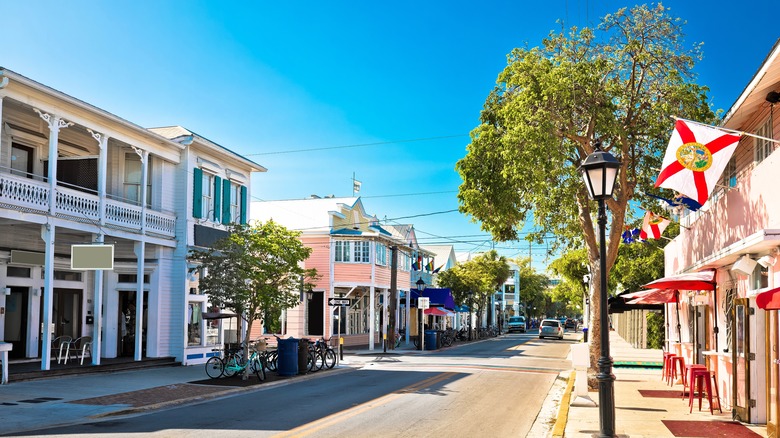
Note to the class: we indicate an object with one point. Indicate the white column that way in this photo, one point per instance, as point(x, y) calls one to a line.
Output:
point(144, 183)
point(47, 234)
point(371, 316)
point(385, 314)
point(408, 314)
point(102, 140)
point(55, 124)
point(140, 250)
point(97, 300)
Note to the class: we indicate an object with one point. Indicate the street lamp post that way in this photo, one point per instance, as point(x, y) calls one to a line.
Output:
point(471, 310)
point(420, 288)
point(599, 171)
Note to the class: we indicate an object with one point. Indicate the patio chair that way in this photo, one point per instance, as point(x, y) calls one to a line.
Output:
point(79, 347)
point(61, 344)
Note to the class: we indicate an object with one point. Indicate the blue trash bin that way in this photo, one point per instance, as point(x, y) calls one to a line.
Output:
point(585, 334)
point(431, 339)
point(287, 357)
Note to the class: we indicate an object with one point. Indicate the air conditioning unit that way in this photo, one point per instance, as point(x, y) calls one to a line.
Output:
point(745, 265)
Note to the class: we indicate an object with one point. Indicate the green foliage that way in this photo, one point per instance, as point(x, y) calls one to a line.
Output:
point(256, 271)
point(533, 288)
point(474, 281)
point(619, 83)
point(655, 330)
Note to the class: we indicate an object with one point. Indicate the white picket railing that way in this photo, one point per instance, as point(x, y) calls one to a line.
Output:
point(33, 196)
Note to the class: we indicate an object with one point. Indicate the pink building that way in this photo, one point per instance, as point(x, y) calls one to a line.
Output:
point(352, 253)
point(735, 329)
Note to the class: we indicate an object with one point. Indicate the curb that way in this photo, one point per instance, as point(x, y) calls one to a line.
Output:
point(563, 412)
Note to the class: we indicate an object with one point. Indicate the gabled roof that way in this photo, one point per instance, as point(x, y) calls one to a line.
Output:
point(753, 97)
point(312, 216)
point(184, 136)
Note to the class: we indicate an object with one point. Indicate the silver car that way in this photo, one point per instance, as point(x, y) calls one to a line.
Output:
point(551, 328)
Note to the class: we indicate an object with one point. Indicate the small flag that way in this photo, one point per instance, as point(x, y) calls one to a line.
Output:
point(356, 185)
point(436, 271)
point(695, 159)
point(629, 235)
point(429, 266)
point(679, 201)
point(415, 266)
point(653, 226)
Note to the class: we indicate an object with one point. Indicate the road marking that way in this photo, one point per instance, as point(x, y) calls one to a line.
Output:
point(322, 423)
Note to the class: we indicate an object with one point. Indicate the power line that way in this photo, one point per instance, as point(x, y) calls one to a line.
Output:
point(379, 143)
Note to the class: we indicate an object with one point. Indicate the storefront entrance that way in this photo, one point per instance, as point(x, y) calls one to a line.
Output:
point(741, 360)
point(127, 320)
point(16, 321)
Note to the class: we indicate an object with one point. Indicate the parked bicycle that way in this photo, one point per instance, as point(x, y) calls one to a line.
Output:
point(233, 363)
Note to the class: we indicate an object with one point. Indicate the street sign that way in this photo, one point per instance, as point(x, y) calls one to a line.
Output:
point(423, 302)
point(338, 301)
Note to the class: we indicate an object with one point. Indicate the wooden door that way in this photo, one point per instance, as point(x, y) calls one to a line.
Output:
point(773, 371)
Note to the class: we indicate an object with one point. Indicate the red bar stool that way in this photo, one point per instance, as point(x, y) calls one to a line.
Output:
point(677, 362)
point(665, 368)
point(704, 378)
point(688, 377)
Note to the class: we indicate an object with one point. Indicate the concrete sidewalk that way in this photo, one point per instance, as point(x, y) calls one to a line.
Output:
point(643, 402)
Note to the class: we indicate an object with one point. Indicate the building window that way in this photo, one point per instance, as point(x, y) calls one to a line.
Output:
point(381, 254)
point(194, 324)
point(729, 178)
point(760, 278)
point(207, 194)
point(763, 147)
point(343, 251)
point(67, 275)
point(131, 278)
point(235, 203)
point(18, 272)
point(362, 252)
point(134, 177)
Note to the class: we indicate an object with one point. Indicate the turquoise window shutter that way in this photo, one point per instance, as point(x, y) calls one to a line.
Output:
point(217, 197)
point(197, 193)
point(226, 205)
point(243, 204)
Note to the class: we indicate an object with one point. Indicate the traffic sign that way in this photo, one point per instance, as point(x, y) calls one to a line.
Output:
point(423, 302)
point(339, 301)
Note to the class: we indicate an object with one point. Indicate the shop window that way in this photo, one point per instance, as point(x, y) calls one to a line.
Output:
point(131, 278)
point(763, 146)
point(18, 272)
point(194, 324)
point(67, 275)
point(760, 278)
point(381, 254)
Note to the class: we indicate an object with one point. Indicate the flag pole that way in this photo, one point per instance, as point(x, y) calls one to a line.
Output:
point(734, 131)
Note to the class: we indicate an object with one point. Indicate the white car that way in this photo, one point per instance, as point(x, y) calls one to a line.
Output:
point(551, 328)
point(516, 324)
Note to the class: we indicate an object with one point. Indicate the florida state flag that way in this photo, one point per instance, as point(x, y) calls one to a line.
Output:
point(653, 226)
point(695, 159)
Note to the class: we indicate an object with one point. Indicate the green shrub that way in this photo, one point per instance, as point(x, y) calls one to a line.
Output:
point(655, 330)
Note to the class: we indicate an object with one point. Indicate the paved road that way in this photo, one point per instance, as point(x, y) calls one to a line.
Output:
point(492, 388)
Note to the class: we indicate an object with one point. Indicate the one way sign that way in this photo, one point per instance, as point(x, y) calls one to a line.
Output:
point(338, 301)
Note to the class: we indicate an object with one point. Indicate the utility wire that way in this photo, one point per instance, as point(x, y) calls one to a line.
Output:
point(379, 143)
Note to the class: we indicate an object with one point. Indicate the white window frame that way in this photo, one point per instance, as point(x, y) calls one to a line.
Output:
point(763, 148)
point(235, 202)
point(362, 251)
point(135, 186)
point(207, 196)
point(343, 251)
point(381, 254)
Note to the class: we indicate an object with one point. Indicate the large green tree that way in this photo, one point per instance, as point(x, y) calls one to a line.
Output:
point(620, 84)
point(256, 271)
point(533, 288)
point(475, 281)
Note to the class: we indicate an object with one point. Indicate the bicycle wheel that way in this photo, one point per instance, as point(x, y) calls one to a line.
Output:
point(270, 360)
point(215, 367)
point(330, 358)
point(257, 367)
point(447, 341)
point(232, 365)
point(310, 363)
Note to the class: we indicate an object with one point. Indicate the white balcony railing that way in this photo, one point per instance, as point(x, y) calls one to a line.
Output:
point(28, 195)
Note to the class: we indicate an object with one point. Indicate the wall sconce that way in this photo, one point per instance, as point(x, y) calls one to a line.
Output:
point(309, 294)
point(8, 291)
point(767, 261)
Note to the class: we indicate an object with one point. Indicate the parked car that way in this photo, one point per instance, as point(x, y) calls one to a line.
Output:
point(516, 324)
point(570, 323)
point(551, 328)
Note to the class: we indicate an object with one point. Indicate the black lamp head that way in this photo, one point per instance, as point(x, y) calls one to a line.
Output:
point(773, 97)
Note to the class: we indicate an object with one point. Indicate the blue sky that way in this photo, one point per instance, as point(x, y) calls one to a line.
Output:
point(317, 91)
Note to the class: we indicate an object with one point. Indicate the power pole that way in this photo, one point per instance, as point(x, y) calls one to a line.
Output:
point(391, 308)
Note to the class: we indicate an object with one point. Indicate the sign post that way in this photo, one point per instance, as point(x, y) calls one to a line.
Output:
point(423, 303)
point(340, 302)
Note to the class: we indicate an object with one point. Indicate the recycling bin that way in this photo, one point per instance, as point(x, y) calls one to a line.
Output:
point(431, 339)
point(287, 357)
point(585, 334)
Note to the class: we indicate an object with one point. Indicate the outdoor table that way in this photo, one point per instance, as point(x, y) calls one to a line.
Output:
point(5, 347)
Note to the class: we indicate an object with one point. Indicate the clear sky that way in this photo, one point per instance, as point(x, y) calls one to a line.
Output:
point(319, 91)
